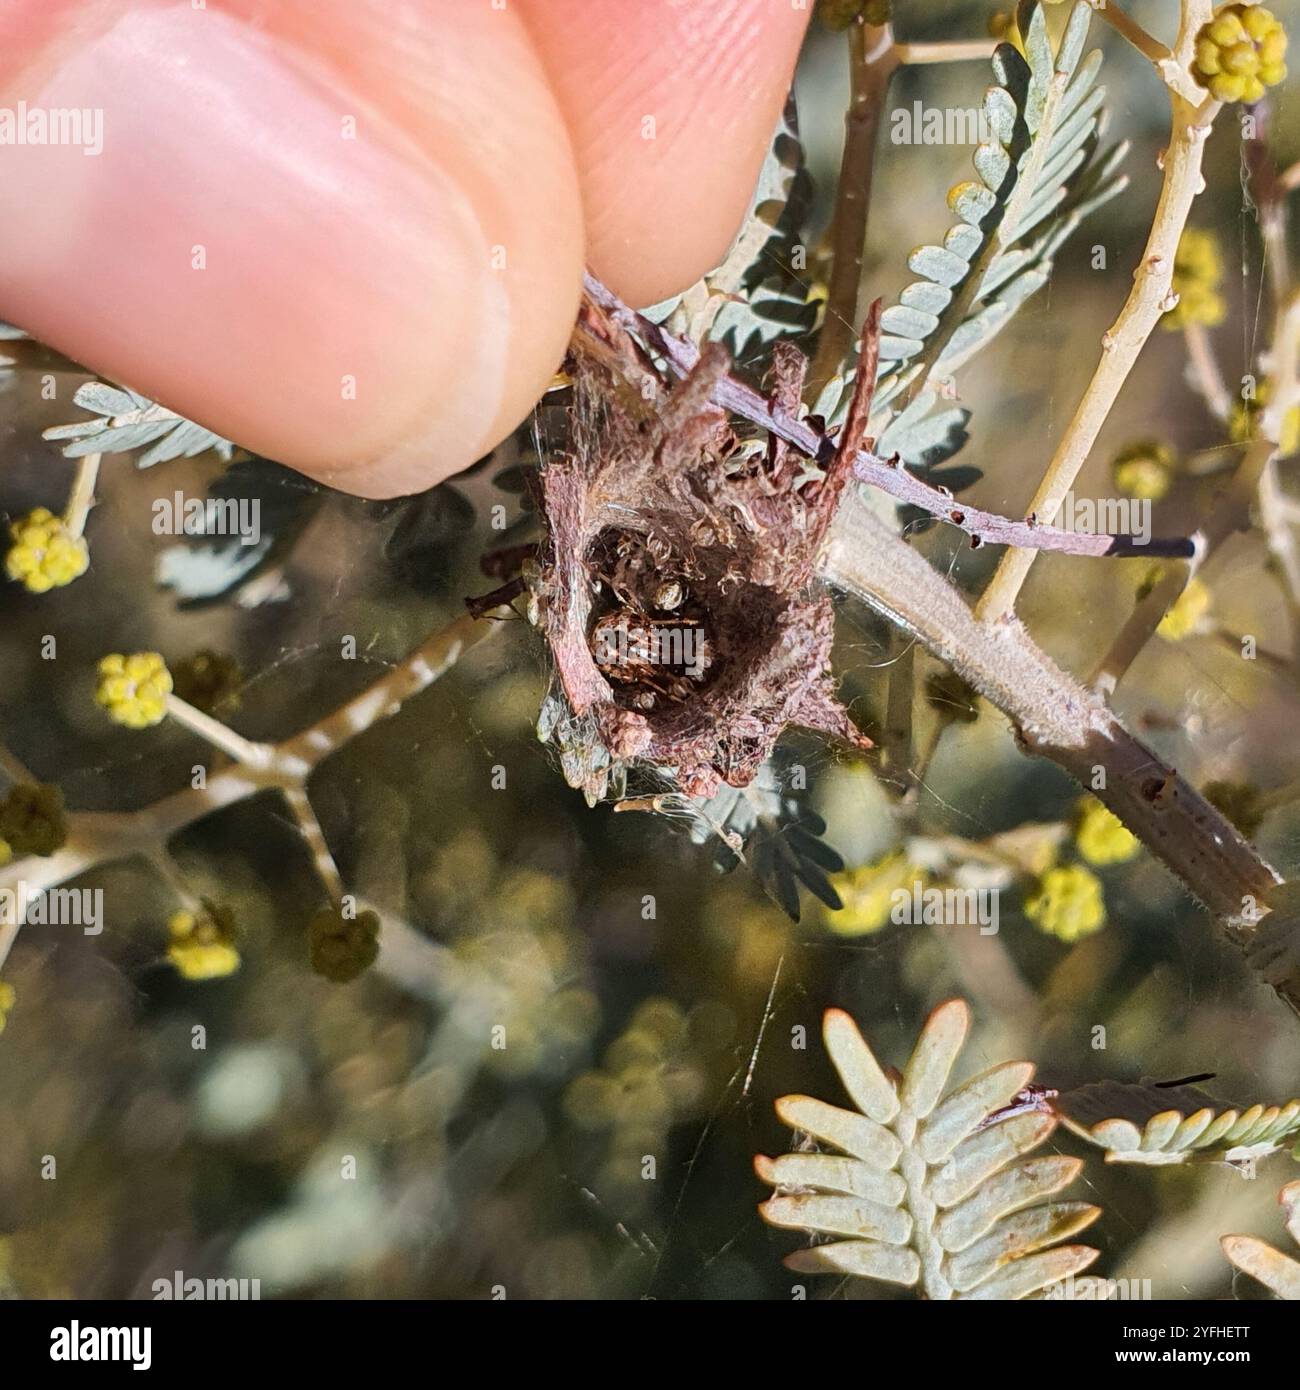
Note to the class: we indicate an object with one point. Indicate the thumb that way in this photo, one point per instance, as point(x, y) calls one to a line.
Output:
point(345, 233)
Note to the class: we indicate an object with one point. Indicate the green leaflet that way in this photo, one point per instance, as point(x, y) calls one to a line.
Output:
point(781, 840)
point(129, 421)
point(928, 1188)
point(1037, 178)
point(1261, 1261)
point(1158, 1125)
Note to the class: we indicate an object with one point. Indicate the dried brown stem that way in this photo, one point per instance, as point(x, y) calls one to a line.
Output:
point(887, 474)
point(873, 60)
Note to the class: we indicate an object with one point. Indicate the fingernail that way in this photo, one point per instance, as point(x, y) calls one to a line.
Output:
point(252, 249)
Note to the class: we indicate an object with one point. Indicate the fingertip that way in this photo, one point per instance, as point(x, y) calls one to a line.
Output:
point(297, 238)
point(670, 105)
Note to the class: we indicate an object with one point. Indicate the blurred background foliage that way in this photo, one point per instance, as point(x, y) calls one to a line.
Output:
point(633, 1032)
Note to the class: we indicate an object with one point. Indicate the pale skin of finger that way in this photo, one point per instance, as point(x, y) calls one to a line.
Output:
point(349, 245)
point(345, 233)
point(670, 105)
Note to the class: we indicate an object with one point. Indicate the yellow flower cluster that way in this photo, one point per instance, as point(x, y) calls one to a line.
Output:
point(32, 819)
point(202, 943)
point(341, 947)
point(1101, 836)
point(1240, 52)
point(7, 997)
point(1144, 469)
point(134, 689)
point(45, 555)
point(1198, 273)
point(867, 894)
point(1188, 610)
point(1067, 902)
point(1244, 419)
point(1185, 616)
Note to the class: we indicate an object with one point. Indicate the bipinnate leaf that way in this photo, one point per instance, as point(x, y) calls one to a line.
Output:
point(1038, 175)
point(928, 1186)
point(1148, 1123)
point(127, 421)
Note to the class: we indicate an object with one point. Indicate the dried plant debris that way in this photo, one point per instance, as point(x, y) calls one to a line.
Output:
point(676, 584)
point(928, 1187)
point(1261, 1261)
point(1154, 1123)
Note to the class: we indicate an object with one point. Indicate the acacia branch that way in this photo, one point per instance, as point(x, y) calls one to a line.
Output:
point(1057, 718)
point(1150, 298)
point(97, 838)
point(889, 475)
point(873, 60)
point(1053, 714)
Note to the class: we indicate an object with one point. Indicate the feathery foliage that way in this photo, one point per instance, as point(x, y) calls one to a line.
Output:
point(1038, 177)
point(128, 421)
point(929, 1188)
point(1154, 1124)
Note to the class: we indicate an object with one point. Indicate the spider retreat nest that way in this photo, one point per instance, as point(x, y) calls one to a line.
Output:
point(676, 586)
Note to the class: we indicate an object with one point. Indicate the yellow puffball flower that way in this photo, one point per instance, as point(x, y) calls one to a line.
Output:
point(1185, 616)
point(1101, 836)
point(1244, 421)
point(1144, 469)
point(202, 942)
point(1067, 903)
point(341, 947)
point(134, 689)
point(1240, 52)
point(45, 555)
point(868, 894)
point(7, 997)
point(1198, 273)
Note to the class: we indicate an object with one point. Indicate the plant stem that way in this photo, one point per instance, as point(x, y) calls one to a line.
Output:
point(1056, 718)
point(13, 767)
point(1205, 371)
point(99, 838)
point(1150, 297)
point(310, 828)
point(258, 756)
point(873, 60)
point(952, 51)
point(1136, 35)
point(82, 496)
